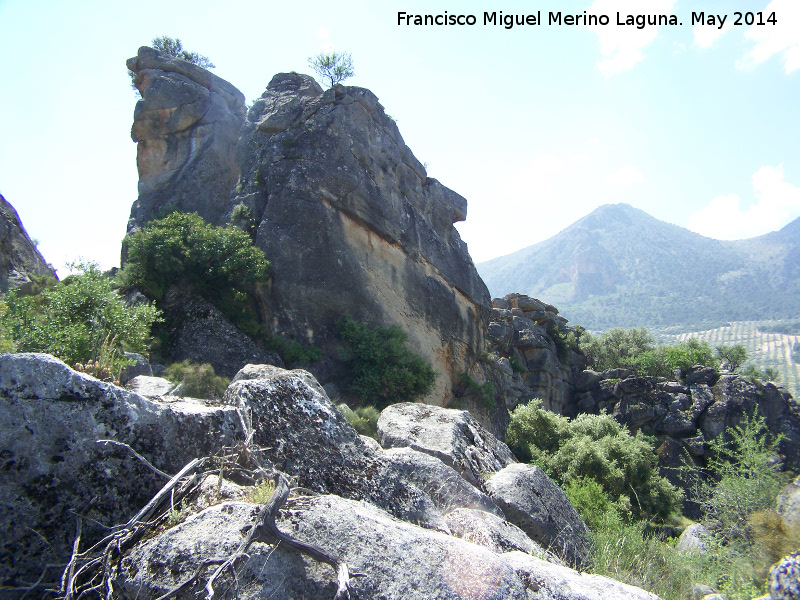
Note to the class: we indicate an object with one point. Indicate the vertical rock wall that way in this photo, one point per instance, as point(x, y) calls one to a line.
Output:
point(353, 225)
point(186, 126)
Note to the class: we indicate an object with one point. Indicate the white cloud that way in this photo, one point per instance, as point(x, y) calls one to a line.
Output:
point(624, 177)
point(622, 45)
point(706, 35)
point(777, 203)
point(781, 38)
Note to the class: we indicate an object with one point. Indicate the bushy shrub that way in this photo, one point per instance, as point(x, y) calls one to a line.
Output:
point(380, 369)
point(182, 248)
point(292, 352)
point(199, 381)
point(74, 318)
point(482, 391)
point(636, 349)
point(745, 477)
point(364, 419)
point(593, 447)
point(732, 357)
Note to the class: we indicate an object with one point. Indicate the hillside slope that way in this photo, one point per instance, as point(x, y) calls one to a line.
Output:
point(618, 266)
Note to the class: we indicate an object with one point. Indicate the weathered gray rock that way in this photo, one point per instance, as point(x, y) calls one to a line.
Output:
point(494, 533)
point(150, 386)
point(549, 581)
point(440, 482)
point(535, 504)
point(141, 366)
point(453, 436)
point(19, 257)
point(694, 538)
point(788, 503)
point(50, 420)
point(353, 225)
point(305, 436)
point(400, 561)
point(198, 331)
point(186, 127)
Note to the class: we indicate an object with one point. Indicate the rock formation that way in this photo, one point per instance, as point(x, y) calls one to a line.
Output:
point(353, 225)
point(528, 342)
point(402, 518)
point(186, 126)
point(344, 211)
point(19, 257)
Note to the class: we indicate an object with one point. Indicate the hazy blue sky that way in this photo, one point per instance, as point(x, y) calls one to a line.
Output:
point(535, 125)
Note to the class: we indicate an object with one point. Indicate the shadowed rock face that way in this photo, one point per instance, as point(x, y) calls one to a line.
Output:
point(19, 258)
point(186, 126)
point(353, 225)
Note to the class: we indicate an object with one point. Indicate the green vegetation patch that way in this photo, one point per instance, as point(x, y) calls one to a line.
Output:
point(379, 368)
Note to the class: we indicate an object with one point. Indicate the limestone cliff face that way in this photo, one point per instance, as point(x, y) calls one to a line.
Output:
point(353, 225)
point(19, 257)
point(186, 126)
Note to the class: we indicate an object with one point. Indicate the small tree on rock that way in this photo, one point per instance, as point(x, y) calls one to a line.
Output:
point(332, 67)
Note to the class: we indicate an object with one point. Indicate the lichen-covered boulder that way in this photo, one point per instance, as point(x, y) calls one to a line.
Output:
point(453, 436)
point(51, 419)
point(534, 503)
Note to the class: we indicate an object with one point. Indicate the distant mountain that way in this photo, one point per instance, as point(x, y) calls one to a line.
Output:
point(620, 267)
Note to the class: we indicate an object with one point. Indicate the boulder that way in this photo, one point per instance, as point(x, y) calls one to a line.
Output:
point(453, 436)
point(440, 483)
point(141, 366)
point(788, 503)
point(152, 387)
point(19, 257)
point(535, 504)
point(51, 419)
point(586, 380)
point(399, 560)
point(186, 127)
point(494, 533)
point(353, 226)
point(549, 581)
point(694, 538)
point(197, 330)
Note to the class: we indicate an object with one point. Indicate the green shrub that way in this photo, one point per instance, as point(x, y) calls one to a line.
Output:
point(594, 447)
point(199, 381)
point(182, 248)
point(615, 348)
point(482, 391)
point(753, 373)
point(635, 349)
point(745, 477)
point(379, 368)
point(219, 263)
point(292, 352)
point(733, 357)
point(242, 217)
point(74, 318)
point(364, 419)
point(685, 355)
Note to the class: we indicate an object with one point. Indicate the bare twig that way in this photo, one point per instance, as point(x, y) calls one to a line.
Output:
point(144, 461)
point(151, 506)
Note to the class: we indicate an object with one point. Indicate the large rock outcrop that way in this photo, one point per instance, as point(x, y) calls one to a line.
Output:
point(399, 561)
point(395, 515)
point(19, 257)
point(186, 126)
point(341, 207)
point(353, 225)
point(51, 418)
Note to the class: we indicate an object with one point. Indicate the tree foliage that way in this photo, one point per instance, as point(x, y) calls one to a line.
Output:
point(182, 248)
point(593, 447)
point(380, 369)
point(173, 47)
point(74, 318)
point(636, 349)
point(332, 67)
point(732, 357)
